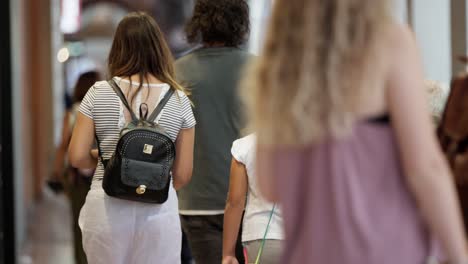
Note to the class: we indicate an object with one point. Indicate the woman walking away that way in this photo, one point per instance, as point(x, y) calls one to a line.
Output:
point(262, 225)
point(120, 231)
point(345, 141)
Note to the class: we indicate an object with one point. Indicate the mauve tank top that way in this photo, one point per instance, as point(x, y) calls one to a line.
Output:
point(346, 202)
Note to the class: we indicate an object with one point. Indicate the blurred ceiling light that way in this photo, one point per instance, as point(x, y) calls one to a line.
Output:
point(70, 17)
point(63, 55)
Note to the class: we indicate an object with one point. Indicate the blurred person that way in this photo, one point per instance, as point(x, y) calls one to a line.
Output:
point(345, 141)
point(77, 181)
point(212, 73)
point(262, 222)
point(122, 231)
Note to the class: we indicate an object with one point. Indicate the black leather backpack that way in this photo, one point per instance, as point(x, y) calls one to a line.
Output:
point(140, 168)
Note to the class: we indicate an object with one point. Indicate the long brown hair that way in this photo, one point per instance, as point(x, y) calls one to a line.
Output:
point(139, 48)
point(314, 71)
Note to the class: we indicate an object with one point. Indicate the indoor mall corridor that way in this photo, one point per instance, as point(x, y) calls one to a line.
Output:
point(50, 45)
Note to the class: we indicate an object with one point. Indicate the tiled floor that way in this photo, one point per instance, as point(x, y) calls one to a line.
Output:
point(50, 237)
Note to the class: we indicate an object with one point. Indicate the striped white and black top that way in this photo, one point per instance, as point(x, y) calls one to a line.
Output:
point(105, 108)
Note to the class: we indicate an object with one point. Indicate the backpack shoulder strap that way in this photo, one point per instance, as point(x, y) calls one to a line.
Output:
point(161, 105)
point(99, 150)
point(120, 94)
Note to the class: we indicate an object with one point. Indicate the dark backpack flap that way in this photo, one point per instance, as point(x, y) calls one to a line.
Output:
point(135, 142)
point(136, 173)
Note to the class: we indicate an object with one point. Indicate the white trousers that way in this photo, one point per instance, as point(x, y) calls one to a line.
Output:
point(117, 231)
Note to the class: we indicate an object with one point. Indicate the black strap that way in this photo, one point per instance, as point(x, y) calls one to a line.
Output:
point(99, 149)
point(156, 111)
point(119, 93)
point(161, 105)
point(152, 117)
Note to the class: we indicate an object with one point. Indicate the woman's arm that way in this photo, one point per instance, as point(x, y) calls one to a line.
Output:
point(95, 153)
point(426, 170)
point(81, 143)
point(235, 204)
point(61, 150)
point(183, 164)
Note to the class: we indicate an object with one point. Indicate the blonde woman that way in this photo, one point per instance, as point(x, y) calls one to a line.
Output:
point(345, 142)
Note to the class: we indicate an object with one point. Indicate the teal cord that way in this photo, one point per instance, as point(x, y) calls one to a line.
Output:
point(260, 251)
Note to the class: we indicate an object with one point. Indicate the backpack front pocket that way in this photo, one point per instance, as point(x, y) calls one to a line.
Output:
point(135, 173)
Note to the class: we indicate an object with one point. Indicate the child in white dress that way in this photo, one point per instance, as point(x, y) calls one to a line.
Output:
point(258, 215)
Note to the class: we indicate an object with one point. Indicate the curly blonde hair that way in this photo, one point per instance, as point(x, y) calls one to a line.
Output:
point(311, 76)
point(438, 94)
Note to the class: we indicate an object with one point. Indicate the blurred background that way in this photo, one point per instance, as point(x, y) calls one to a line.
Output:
point(47, 44)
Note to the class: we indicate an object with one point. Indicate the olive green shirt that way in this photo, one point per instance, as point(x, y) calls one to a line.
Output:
point(212, 75)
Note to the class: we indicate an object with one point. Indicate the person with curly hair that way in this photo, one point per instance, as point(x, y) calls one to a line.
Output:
point(212, 73)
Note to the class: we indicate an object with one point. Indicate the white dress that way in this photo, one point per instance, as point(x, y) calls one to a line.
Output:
point(117, 231)
point(124, 232)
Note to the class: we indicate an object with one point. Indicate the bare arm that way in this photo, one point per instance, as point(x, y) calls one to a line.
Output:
point(81, 143)
point(426, 170)
point(234, 207)
point(61, 150)
point(95, 153)
point(183, 164)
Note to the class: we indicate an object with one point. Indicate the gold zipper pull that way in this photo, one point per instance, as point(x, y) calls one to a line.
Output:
point(141, 189)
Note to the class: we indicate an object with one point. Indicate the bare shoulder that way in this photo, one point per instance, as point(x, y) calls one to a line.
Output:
point(399, 31)
point(400, 40)
point(101, 84)
point(182, 95)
